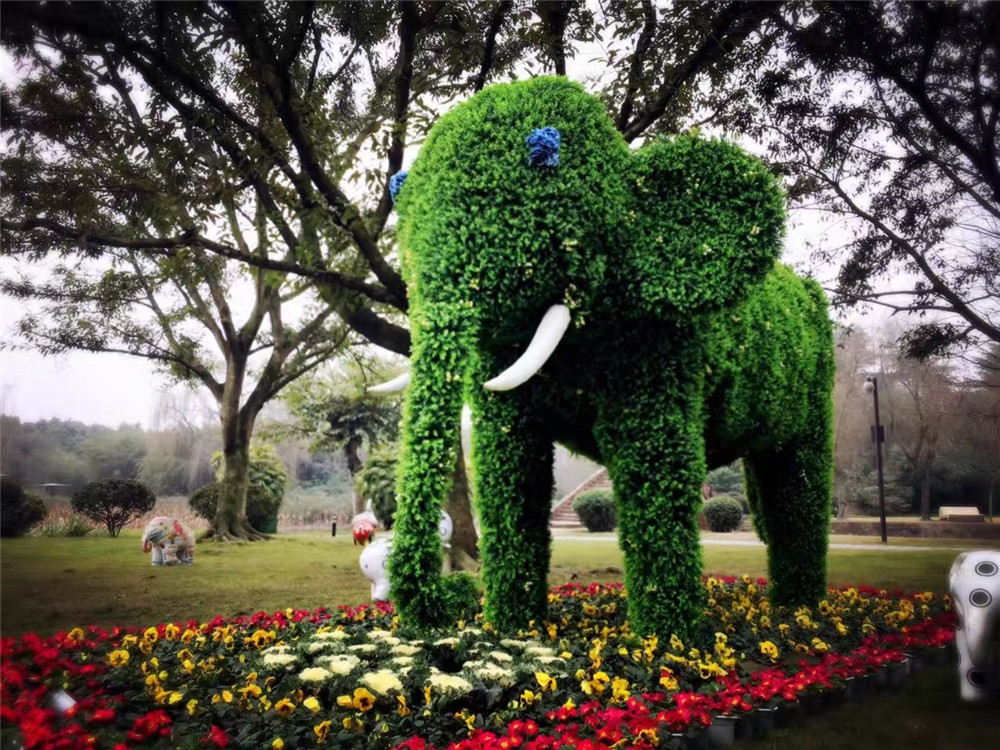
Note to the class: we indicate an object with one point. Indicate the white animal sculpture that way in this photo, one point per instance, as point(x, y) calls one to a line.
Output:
point(374, 558)
point(975, 591)
point(170, 541)
point(373, 564)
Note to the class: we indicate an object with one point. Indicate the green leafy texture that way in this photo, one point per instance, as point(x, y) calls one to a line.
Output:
point(261, 505)
point(114, 502)
point(377, 483)
point(19, 510)
point(596, 510)
point(723, 513)
point(267, 473)
point(689, 347)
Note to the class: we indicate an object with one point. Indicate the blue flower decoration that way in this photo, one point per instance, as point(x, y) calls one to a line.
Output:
point(544, 145)
point(396, 184)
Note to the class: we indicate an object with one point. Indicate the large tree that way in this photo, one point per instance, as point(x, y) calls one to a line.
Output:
point(885, 114)
point(180, 137)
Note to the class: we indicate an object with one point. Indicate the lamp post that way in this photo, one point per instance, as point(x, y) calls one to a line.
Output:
point(878, 437)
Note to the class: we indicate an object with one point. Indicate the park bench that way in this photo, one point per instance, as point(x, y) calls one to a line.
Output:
point(960, 514)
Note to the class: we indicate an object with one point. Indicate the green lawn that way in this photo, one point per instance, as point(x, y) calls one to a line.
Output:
point(50, 584)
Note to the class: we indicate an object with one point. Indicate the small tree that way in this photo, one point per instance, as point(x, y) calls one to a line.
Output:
point(597, 510)
point(19, 510)
point(114, 502)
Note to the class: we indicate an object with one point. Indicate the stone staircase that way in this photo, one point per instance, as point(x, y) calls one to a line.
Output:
point(563, 517)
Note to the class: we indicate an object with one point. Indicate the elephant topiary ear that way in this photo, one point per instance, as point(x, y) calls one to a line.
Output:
point(543, 145)
point(707, 224)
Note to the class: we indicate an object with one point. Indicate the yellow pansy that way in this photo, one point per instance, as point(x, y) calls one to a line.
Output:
point(312, 704)
point(284, 707)
point(322, 730)
point(363, 700)
point(548, 684)
point(278, 744)
point(118, 658)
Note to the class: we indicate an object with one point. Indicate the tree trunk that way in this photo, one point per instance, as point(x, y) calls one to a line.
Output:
point(464, 539)
point(230, 523)
point(353, 467)
point(925, 495)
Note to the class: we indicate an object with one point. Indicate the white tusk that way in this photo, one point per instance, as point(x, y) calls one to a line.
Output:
point(466, 420)
point(396, 385)
point(543, 344)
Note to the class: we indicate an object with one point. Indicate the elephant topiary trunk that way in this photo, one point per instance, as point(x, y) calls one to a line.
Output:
point(672, 341)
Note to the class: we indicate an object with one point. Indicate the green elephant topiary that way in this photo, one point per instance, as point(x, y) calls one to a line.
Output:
point(671, 341)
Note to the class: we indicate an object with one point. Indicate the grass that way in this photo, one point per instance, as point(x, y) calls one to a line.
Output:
point(50, 584)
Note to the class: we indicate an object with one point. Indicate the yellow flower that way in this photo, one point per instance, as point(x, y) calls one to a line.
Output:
point(363, 700)
point(171, 631)
point(529, 698)
point(187, 636)
point(76, 634)
point(250, 691)
point(619, 690)
point(284, 707)
point(322, 730)
point(175, 697)
point(676, 643)
point(769, 650)
point(402, 709)
point(150, 635)
point(345, 701)
point(819, 646)
point(192, 706)
point(278, 744)
point(353, 724)
point(548, 684)
point(427, 694)
point(312, 704)
point(667, 679)
point(118, 658)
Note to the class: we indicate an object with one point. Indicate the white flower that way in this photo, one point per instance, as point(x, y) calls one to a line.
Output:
point(331, 635)
point(402, 660)
point(279, 659)
point(510, 642)
point(500, 656)
point(315, 646)
point(340, 664)
point(362, 648)
point(475, 631)
point(493, 673)
point(548, 659)
point(538, 651)
point(446, 642)
point(314, 674)
point(450, 683)
point(406, 649)
point(382, 682)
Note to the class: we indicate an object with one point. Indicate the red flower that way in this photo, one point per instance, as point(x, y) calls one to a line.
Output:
point(216, 736)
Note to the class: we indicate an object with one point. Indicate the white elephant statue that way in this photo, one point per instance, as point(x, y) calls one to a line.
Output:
point(374, 557)
point(170, 541)
point(974, 582)
point(373, 565)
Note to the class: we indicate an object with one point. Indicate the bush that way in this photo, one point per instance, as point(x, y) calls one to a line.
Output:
point(19, 510)
point(377, 483)
point(114, 502)
point(261, 505)
point(723, 514)
point(460, 596)
point(597, 510)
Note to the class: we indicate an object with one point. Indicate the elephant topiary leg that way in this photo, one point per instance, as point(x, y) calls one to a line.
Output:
point(654, 446)
point(789, 490)
point(513, 456)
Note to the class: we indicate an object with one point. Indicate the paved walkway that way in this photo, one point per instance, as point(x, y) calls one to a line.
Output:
point(736, 542)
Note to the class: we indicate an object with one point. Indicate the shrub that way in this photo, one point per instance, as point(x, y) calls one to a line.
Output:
point(723, 514)
point(377, 483)
point(19, 510)
point(597, 510)
point(261, 504)
point(460, 596)
point(114, 502)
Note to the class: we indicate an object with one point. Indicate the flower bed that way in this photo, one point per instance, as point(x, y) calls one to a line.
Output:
point(352, 679)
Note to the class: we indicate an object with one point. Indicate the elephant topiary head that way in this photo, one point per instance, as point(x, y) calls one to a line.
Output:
point(526, 196)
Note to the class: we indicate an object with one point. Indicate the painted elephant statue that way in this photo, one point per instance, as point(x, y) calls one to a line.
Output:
point(974, 582)
point(170, 541)
point(670, 341)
